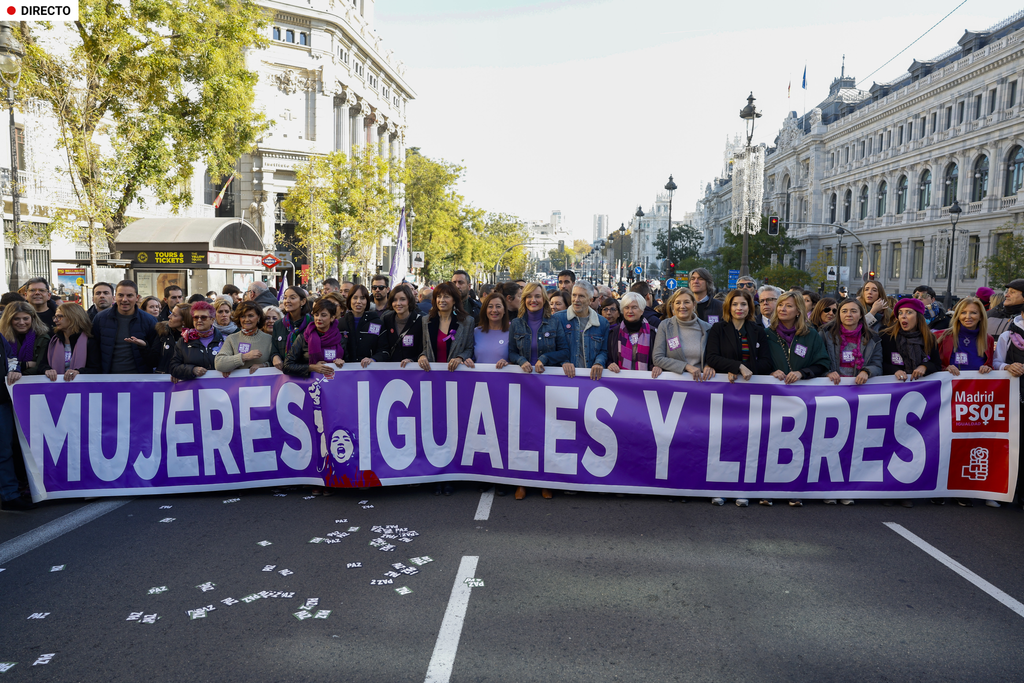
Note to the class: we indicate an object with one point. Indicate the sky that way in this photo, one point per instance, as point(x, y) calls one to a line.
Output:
point(587, 106)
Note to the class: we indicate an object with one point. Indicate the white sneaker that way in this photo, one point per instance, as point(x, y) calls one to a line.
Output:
point(742, 502)
point(846, 501)
point(830, 501)
point(718, 501)
point(992, 503)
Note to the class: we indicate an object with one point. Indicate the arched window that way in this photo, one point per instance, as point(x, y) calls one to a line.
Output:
point(303, 39)
point(883, 190)
point(979, 190)
point(277, 33)
point(863, 202)
point(789, 184)
point(289, 36)
point(924, 191)
point(832, 208)
point(832, 160)
point(951, 179)
point(1015, 174)
point(901, 194)
point(847, 201)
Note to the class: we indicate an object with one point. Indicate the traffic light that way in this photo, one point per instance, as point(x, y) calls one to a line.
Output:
point(773, 225)
point(871, 275)
point(672, 268)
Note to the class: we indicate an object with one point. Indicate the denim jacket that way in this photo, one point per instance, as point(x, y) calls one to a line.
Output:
point(594, 329)
point(552, 346)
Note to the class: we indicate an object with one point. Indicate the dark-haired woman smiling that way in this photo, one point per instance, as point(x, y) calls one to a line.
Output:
point(296, 309)
point(403, 334)
point(447, 332)
point(320, 347)
point(360, 328)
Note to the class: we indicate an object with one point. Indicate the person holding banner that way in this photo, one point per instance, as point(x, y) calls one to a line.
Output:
point(403, 333)
point(1010, 357)
point(682, 340)
point(630, 341)
point(586, 333)
point(320, 347)
point(491, 336)
point(535, 340)
point(908, 346)
point(168, 333)
point(199, 345)
point(361, 328)
point(737, 344)
point(797, 350)
point(854, 350)
point(250, 347)
point(28, 336)
point(296, 308)
point(71, 344)
point(447, 330)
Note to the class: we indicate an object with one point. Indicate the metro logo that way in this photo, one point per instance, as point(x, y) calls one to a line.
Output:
point(979, 465)
point(980, 405)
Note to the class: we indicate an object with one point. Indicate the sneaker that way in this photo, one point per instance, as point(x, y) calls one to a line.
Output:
point(767, 502)
point(938, 501)
point(992, 503)
point(907, 503)
point(796, 503)
point(965, 502)
point(718, 501)
point(830, 501)
point(846, 501)
point(742, 502)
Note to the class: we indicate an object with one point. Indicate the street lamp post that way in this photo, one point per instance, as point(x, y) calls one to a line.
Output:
point(954, 216)
point(671, 187)
point(622, 236)
point(749, 114)
point(11, 53)
point(640, 243)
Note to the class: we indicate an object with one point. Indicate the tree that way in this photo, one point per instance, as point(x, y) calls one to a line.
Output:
point(580, 249)
point(817, 270)
point(343, 207)
point(783, 277)
point(140, 92)
point(760, 247)
point(686, 243)
point(443, 226)
point(1007, 261)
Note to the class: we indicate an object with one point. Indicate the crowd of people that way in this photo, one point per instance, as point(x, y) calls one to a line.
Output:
point(696, 331)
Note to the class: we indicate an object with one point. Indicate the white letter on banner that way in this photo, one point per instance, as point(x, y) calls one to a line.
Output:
point(439, 454)
point(148, 466)
point(217, 440)
point(251, 430)
point(664, 429)
point(481, 412)
point(396, 391)
point(601, 398)
point(363, 406)
point(46, 434)
point(774, 471)
point(555, 429)
point(911, 439)
point(863, 438)
point(291, 393)
point(827, 448)
point(717, 469)
point(185, 466)
point(526, 461)
point(753, 437)
point(109, 469)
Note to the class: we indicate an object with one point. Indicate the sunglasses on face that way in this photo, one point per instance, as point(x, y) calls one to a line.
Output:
point(749, 285)
point(379, 288)
point(831, 309)
point(200, 318)
point(58, 317)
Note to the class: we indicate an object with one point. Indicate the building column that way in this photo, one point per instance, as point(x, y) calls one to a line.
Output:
point(342, 121)
point(367, 129)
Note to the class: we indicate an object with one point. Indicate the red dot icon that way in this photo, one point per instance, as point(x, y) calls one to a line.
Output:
point(11, 10)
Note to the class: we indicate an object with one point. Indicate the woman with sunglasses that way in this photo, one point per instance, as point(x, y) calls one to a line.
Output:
point(824, 312)
point(196, 351)
point(361, 329)
point(71, 344)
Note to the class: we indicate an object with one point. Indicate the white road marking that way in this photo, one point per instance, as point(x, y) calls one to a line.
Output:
point(483, 510)
point(16, 547)
point(441, 662)
point(959, 568)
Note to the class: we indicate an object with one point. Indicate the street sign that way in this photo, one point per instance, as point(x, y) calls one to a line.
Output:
point(638, 270)
point(734, 275)
point(830, 274)
point(670, 284)
point(283, 255)
point(270, 261)
point(844, 273)
point(684, 277)
point(417, 259)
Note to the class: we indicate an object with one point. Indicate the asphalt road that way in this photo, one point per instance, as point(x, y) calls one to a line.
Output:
point(578, 588)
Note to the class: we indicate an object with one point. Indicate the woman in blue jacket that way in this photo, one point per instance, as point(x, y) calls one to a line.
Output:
point(535, 341)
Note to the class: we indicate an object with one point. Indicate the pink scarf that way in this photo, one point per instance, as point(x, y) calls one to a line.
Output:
point(852, 337)
point(316, 342)
point(191, 334)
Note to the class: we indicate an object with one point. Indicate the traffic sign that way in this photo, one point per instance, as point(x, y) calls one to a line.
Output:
point(734, 275)
point(270, 261)
point(638, 270)
point(670, 284)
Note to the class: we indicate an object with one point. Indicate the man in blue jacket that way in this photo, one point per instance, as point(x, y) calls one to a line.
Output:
point(123, 334)
point(585, 331)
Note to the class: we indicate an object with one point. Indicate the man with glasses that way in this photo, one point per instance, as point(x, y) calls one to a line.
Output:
point(768, 296)
point(379, 291)
point(123, 334)
point(37, 293)
point(702, 285)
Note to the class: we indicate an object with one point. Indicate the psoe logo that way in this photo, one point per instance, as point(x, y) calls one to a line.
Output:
point(43, 11)
point(977, 469)
point(980, 405)
point(979, 465)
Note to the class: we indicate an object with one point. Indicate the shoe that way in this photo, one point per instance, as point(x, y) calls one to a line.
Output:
point(742, 502)
point(907, 503)
point(846, 501)
point(437, 489)
point(448, 489)
point(796, 503)
point(965, 502)
point(520, 493)
point(316, 492)
point(887, 503)
point(546, 493)
point(766, 502)
point(718, 501)
point(327, 493)
point(18, 504)
point(570, 493)
point(830, 501)
point(500, 492)
point(938, 501)
point(992, 503)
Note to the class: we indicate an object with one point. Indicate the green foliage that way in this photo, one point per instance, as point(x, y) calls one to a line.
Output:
point(140, 92)
point(686, 243)
point(817, 269)
point(783, 277)
point(1007, 261)
point(760, 247)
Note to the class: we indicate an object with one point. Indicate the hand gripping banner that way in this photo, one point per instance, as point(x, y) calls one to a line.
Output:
point(141, 434)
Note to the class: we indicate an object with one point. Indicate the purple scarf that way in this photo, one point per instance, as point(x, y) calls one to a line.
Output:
point(316, 342)
point(786, 334)
point(25, 352)
point(635, 356)
point(852, 337)
point(534, 319)
point(292, 328)
point(55, 352)
point(190, 334)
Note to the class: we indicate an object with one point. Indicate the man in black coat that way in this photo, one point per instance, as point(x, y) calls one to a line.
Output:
point(123, 334)
point(470, 304)
point(709, 309)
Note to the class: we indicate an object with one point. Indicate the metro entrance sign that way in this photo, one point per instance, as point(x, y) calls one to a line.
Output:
point(270, 261)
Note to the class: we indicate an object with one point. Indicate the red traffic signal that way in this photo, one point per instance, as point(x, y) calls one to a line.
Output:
point(871, 275)
point(773, 225)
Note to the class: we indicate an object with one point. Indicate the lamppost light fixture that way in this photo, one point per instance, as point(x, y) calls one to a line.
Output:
point(671, 185)
point(11, 53)
point(639, 212)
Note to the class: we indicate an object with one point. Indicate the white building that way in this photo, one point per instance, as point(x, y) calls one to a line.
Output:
point(888, 162)
point(600, 226)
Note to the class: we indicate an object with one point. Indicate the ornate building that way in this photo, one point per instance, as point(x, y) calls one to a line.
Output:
point(887, 163)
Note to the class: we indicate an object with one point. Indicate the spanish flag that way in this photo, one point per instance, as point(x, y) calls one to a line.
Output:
point(220, 197)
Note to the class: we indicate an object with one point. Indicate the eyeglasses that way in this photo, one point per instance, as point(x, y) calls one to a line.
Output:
point(767, 301)
point(57, 317)
point(198, 318)
point(749, 285)
point(830, 309)
point(379, 288)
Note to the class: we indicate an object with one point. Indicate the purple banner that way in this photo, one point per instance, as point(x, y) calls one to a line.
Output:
point(940, 436)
